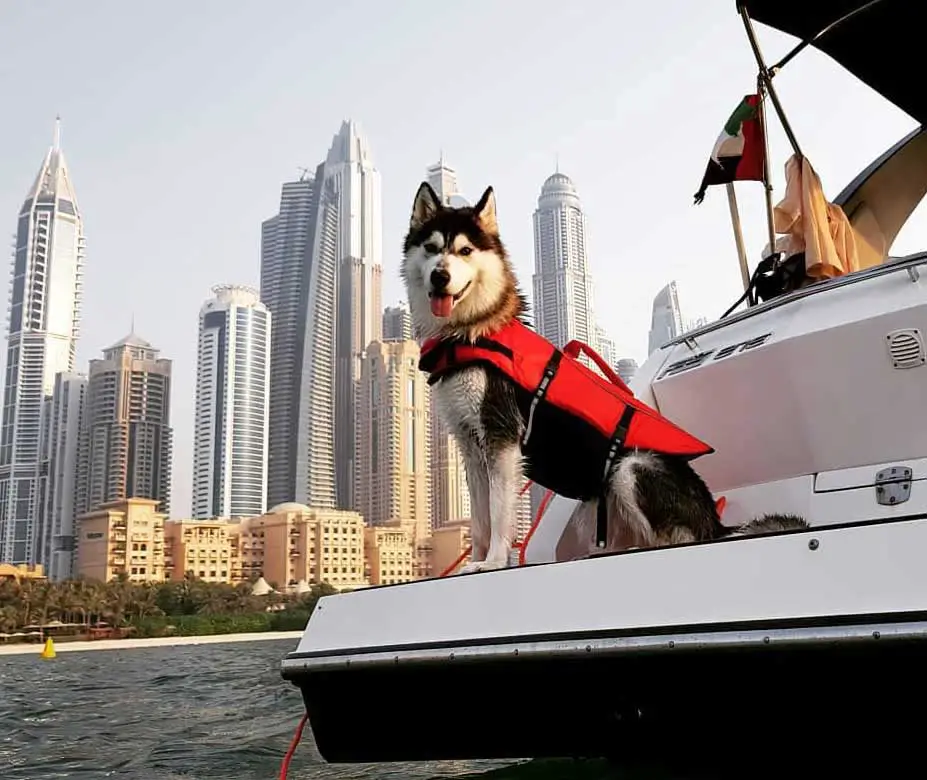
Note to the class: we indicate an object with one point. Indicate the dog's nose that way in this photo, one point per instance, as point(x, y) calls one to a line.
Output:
point(440, 278)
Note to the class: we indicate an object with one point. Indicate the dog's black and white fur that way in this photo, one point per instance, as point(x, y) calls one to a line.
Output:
point(460, 284)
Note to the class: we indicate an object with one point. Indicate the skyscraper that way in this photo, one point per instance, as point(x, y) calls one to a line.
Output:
point(232, 394)
point(397, 323)
point(562, 284)
point(605, 346)
point(443, 180)
point(57, 532)
point(666, 319)
point(627, 368)
point(394, 447)
point(320, 279)
point(356, 183)
point(450, 494)
point(126, 442)
point(44, 320)
point(287, 274)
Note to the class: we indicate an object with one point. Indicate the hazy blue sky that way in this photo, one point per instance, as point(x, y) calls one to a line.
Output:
point(181, 120)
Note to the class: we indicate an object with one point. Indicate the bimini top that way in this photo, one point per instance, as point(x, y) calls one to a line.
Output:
point(878, 41)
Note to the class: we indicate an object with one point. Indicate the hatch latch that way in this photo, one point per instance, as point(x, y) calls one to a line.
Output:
point(893, 485)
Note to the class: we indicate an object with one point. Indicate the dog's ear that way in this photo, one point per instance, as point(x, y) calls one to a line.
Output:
point(486, 212)
point(426, 205)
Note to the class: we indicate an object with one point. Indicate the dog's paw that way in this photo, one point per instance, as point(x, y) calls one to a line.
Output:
point(475, 566)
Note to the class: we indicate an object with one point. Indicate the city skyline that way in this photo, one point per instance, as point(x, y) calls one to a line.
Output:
point(178, 159)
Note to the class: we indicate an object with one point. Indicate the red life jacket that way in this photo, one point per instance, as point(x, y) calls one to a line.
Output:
point(576, 422)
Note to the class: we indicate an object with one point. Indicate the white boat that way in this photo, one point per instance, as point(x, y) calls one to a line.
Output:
point(816, 404)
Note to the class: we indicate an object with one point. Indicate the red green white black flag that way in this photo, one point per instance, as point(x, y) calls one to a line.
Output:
point(740, 150)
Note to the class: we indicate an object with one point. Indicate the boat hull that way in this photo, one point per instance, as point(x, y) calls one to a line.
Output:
point(631, 701)
point(619, 654)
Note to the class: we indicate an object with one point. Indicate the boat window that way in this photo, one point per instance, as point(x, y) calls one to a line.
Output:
point(912, 238)
point(885, 204)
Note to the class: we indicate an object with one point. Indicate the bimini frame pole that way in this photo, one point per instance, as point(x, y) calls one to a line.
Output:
point(808, 42)
point(767, 179)
point(766, 78)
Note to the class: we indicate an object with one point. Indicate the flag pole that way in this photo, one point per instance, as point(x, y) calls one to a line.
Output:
point(767, 182)
point(738, 237)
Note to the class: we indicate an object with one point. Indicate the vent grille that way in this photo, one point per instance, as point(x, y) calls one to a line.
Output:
point(906, 348)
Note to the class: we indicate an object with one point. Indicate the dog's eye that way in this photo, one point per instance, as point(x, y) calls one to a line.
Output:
point(465, 251)
point(432, 249)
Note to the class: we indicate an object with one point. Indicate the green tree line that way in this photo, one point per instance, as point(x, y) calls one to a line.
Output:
point(188, 607)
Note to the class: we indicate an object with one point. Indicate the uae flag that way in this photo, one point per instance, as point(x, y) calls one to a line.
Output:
point(739, 151)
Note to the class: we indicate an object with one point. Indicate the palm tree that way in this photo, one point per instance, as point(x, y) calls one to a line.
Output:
point(122, 602)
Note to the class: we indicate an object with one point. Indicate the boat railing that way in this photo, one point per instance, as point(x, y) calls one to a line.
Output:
point(908, 263)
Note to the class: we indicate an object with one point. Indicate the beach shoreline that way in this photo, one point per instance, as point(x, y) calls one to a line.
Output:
point(165, 641)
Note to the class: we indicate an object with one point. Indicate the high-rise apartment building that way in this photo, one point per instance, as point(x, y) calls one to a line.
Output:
point(321, 276)
point(126, 442)
point(289, 279)
point(443, 180)
point(627, 368)
point(43, 324)
point(393, 477)
point(605, 346)
point(450, 494)
point(397, 323)
point(58, 528)
point(666, 319)
point(232, 396)
point(562, 283)
point(356, 182)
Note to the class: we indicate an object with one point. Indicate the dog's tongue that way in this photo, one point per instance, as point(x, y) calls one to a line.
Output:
point(441, 305)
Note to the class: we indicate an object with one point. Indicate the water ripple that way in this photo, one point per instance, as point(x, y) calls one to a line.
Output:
point(207, 712)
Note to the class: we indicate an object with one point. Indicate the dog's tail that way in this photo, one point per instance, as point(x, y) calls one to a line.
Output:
point(769, 524)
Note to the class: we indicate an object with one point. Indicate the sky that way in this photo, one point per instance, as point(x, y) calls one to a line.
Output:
point(180, 121)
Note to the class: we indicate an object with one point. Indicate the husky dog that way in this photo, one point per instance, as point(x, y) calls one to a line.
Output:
point(460, 285)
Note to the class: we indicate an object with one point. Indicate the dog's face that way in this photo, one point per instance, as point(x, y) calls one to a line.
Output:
point(455, 269)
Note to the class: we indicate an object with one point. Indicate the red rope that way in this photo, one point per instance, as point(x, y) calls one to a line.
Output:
point(520, 546)
point(456, 563)
point(285, 766)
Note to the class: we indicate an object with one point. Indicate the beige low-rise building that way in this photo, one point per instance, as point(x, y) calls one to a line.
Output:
point(122, 537)
point(448, 543)
point(20, 572)
point(294, 542)
point(205, 549)
point(390, 553)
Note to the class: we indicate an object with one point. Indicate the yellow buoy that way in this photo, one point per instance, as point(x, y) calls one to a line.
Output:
point(49, 650)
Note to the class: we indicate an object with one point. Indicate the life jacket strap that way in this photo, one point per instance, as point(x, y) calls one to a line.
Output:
point(442, 356)
point(617, 442)
point(550, 371)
